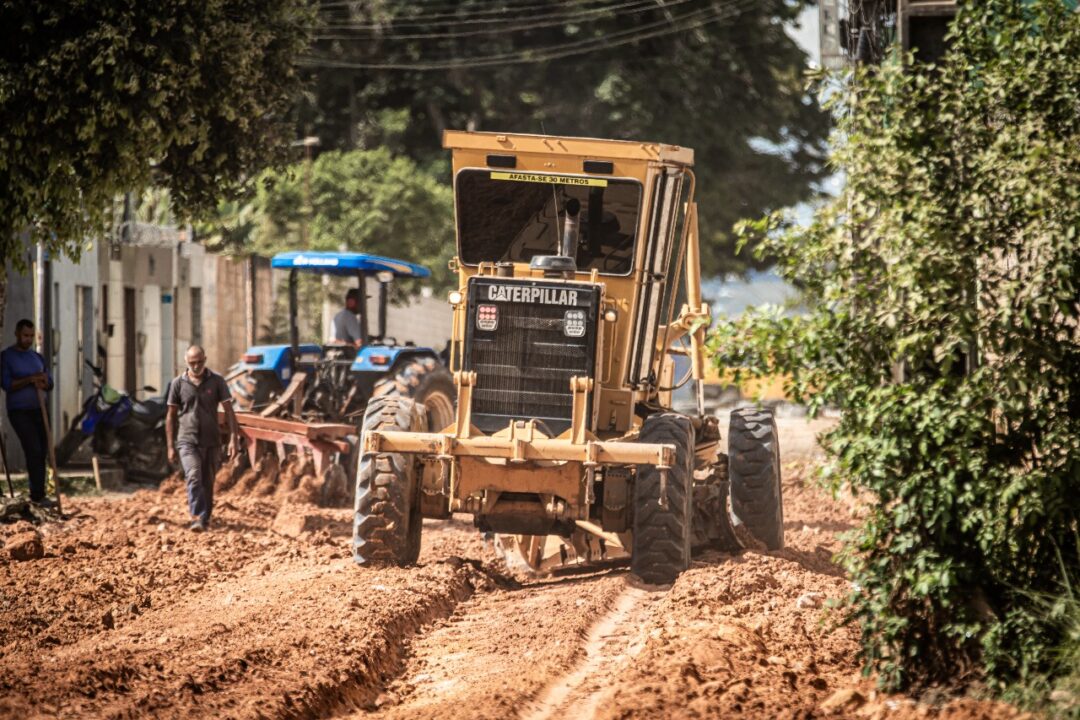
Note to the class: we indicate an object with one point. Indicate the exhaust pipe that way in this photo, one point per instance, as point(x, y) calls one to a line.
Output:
point(564, 264)
point(571, 228)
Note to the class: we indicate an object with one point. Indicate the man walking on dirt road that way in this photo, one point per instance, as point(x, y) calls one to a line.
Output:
point(193, 399)
point(23, 372)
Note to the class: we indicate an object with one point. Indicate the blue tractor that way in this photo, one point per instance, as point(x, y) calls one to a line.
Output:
point(340, 379)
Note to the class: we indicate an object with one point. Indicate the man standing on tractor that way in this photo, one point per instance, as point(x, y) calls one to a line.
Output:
point(346, 327)
point(193, 398)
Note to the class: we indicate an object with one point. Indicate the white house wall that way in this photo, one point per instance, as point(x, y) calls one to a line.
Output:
point(68, 279)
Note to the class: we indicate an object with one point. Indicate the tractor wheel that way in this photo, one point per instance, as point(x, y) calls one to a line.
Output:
point(387, 523)
point(757, 502)
point(662, 535)
point(252, 390)
point(427, 381)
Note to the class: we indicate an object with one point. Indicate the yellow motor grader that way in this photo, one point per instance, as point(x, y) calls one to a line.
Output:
point(573, 256)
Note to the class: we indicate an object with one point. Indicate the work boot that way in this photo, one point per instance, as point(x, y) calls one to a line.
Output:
point(45, 502)
point(198, 526)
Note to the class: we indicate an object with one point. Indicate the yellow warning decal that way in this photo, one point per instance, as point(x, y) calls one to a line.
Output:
point(556, 179)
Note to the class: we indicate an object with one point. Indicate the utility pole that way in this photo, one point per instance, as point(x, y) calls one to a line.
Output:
point(250, 318)
point(305, 211)
point(305, 217)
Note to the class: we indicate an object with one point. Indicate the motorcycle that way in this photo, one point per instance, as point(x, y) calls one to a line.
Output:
point(129, 430)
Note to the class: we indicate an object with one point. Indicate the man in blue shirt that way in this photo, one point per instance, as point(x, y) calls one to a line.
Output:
point(23, 372)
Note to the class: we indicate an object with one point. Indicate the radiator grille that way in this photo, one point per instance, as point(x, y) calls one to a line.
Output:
point(523, 367)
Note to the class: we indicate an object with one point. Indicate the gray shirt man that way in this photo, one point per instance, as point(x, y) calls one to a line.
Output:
point(193, 400)
point(197, 407)
point(347, 327)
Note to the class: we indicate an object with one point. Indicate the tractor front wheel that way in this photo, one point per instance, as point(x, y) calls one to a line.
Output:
point(427, 381)
point(387, 521)
point(252, 390)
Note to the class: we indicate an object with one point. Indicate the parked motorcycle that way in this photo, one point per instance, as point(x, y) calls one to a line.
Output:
point(129, 430)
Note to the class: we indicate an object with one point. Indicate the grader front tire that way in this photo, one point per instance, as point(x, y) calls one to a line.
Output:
point(387, 522)
point(663, 534)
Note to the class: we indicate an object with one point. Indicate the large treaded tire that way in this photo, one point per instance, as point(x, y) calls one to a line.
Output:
point(387, 522)
point(757, 503)
point(663, 535)
point(252, 390)
point(427, 381)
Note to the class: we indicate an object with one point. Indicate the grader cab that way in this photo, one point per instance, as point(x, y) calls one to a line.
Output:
point(579, 281)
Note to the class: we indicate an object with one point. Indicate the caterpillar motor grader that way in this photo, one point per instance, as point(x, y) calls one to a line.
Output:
point(573, 256)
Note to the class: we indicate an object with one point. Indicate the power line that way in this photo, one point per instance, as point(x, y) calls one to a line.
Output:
point(476, 19)
point(454, 10)
point(643, 6)
point(689, 21)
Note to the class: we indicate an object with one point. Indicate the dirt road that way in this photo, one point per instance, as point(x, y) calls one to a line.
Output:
point(128, 614)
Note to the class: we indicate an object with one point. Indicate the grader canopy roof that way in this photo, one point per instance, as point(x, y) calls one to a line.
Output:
point(512, 216)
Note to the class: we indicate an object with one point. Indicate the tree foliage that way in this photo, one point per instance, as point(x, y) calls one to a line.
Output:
point(721, 76)
point(364, 200)
point(100, 98)
point(944, 284)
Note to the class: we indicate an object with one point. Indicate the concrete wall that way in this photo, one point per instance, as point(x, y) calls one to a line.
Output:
point(423, 319)
point(224, 311)
point(76, 292)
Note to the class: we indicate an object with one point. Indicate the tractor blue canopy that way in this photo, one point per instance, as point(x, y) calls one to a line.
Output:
point(343, 264)
point(347, 264)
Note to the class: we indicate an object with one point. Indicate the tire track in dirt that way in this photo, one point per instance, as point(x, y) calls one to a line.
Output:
point(500, 649)
point(616, 637)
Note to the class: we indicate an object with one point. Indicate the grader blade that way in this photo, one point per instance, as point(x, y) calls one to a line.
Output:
point(587, 548)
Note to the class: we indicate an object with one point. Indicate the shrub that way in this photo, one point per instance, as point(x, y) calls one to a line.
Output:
point(944, 283)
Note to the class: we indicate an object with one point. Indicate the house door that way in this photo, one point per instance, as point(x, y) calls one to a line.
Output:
point(84, 300)
point(129, 339)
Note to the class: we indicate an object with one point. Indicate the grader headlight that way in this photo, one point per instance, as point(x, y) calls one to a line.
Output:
point(574, 323)
point(487, 317)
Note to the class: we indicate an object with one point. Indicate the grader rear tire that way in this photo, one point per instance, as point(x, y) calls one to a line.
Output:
point(427, 381)
point(663, 535)
point(757, 502)
point(387, 523)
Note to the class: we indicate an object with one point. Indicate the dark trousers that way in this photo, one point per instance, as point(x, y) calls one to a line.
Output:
point(30, 428)
point(200, 467)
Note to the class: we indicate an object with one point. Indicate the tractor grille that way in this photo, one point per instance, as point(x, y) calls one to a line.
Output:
point(523, 366)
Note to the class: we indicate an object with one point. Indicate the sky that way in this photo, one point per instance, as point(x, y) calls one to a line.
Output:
point(806, 33)
point(730, 296)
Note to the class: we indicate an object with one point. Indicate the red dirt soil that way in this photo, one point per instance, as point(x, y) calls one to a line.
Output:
point(129, 614)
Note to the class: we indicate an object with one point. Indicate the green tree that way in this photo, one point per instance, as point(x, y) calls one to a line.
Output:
point(364, 200)
point(101, 98)
point(720, 76)
point(944, 284)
